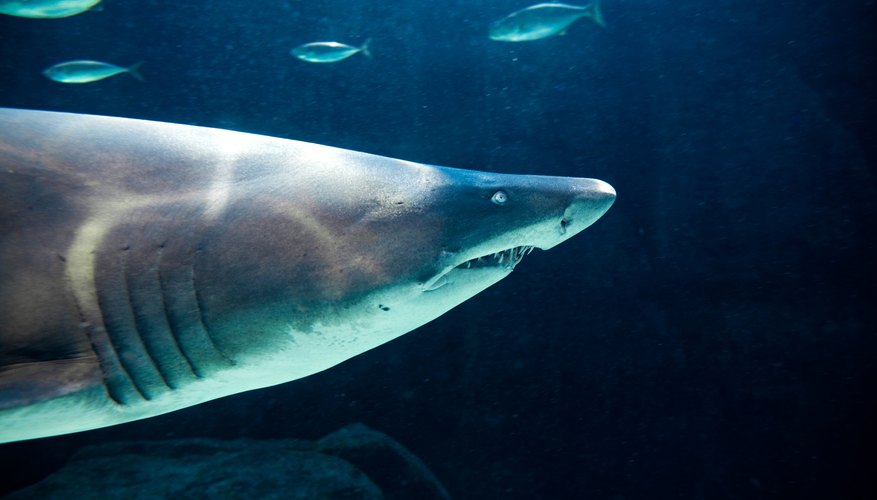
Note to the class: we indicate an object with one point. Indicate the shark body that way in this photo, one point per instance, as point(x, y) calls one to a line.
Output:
point(146, 267)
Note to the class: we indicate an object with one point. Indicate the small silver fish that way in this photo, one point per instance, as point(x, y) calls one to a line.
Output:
point(328, 52)
point(88, 71)
point(542, 20)
point(46, 9)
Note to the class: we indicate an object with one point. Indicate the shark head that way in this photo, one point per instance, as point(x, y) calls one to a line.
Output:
point(490, 222)
point(346, 256)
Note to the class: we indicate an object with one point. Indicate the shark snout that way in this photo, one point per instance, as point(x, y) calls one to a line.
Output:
point(592, 191)
point(591, 199)
point(602, 190)
point(573, 204)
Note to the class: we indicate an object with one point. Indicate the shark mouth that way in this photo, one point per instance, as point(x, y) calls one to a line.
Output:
point(506, 259)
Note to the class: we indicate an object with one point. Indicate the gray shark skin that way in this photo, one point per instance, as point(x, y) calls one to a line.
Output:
point(147, 267)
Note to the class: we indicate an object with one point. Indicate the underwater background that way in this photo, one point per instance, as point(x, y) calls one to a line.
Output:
point(712, 336)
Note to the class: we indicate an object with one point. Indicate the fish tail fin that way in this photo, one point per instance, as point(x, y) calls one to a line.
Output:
point(134, 70)
point(596, 14)
point(364, 48)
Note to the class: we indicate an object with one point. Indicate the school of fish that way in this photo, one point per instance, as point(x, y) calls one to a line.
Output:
point(531, 23)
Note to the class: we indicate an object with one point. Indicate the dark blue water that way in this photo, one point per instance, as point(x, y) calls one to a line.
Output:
point(712, 336)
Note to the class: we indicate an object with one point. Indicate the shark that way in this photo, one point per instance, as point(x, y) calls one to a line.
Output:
point(146, 267)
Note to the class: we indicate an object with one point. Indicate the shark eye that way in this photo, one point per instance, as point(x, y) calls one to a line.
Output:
point(499, 197)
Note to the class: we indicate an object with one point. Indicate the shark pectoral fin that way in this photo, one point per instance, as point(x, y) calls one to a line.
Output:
point(27, 383)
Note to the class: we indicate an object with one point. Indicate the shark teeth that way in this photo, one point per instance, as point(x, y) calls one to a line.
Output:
point(506, 258)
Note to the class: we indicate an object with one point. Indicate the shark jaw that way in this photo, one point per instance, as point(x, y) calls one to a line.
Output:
point(499, 263)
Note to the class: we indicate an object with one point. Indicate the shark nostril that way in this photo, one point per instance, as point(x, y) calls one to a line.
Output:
point(564, 223)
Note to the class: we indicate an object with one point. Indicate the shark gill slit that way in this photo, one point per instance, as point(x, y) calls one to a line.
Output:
point(173, 327)
point(144, 297)
point(182, 311)
point(116, 380)
point(121, 326)
point(146, 365)
point(199, 305)
point(140, 339)
point(121, 385)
